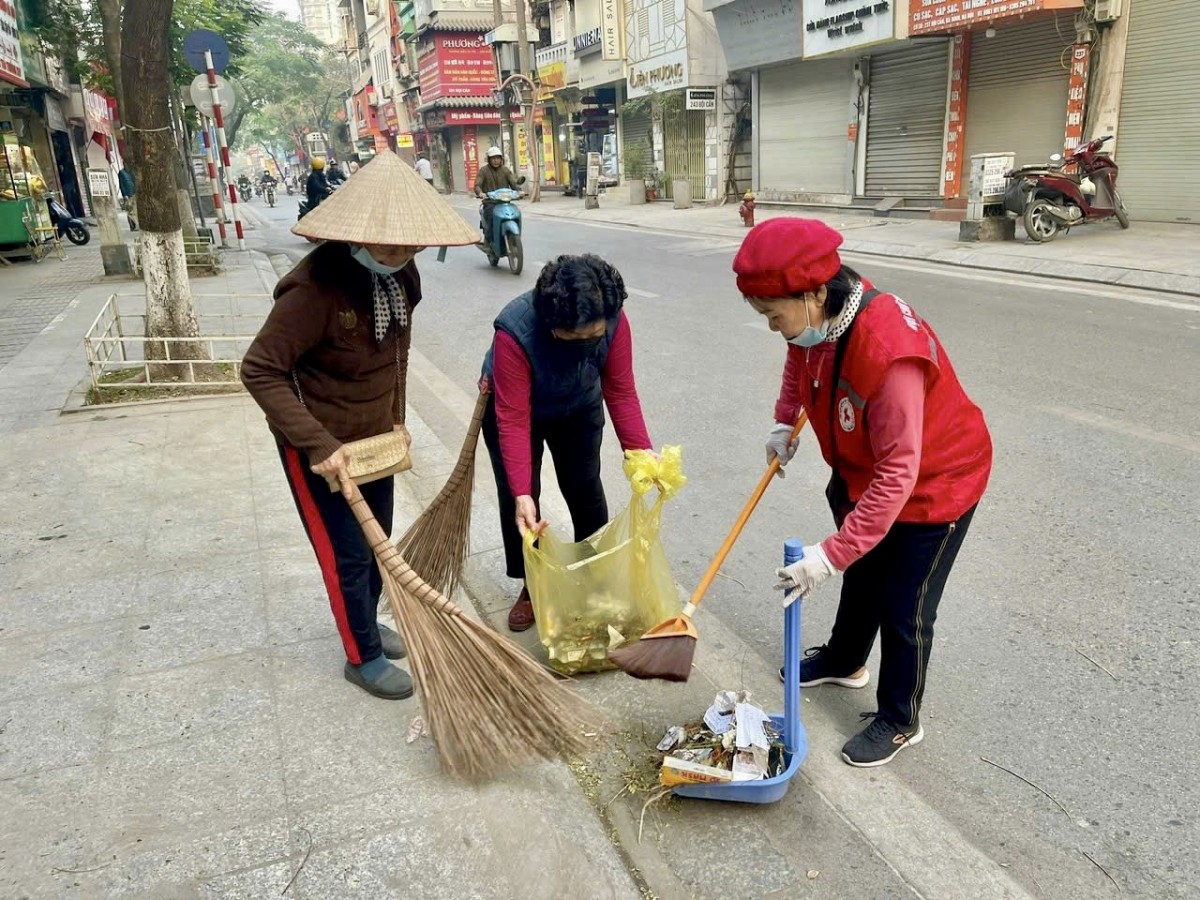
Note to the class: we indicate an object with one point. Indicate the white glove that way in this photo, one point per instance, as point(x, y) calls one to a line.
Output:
point(798, 579)
point(780, 444)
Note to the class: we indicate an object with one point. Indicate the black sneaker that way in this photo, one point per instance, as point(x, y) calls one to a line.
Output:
point(876, 744)
point(815, 669)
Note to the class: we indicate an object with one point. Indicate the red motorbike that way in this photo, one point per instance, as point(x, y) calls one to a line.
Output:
point(1075, 191)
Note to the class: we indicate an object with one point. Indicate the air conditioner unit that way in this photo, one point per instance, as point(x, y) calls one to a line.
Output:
point(1108, 10)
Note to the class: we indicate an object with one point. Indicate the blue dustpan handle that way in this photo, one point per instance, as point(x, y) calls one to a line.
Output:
point(793, 552)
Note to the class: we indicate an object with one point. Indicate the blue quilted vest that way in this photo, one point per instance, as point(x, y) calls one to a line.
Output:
point(566, 374)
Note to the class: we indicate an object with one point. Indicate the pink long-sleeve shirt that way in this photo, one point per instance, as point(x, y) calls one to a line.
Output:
point(895, 418)
point(512, 382)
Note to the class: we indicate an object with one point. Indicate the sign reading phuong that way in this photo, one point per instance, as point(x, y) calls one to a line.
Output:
point(843, 24)
point(456, 65)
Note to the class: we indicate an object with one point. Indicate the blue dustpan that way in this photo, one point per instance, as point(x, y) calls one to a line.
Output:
point(795, 738)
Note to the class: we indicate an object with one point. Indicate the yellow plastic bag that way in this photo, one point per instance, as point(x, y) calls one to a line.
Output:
point(591, 596)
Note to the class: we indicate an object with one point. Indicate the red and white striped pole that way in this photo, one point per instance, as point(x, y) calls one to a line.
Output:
point(223, 145)
point(218, 207)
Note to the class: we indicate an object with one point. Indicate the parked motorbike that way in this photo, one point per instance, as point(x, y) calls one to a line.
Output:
point(505, 238)
point(1076, 191)
point(66, 224)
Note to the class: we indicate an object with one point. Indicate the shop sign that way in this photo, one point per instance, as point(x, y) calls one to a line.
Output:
point(610, 28)
point(483, 115)
point(404, 140)
point(1076, 95)
point(11, 68)
point(456, 65)
point(656, 46)
point(941, 16)
point(701, 98)
point(956, 115)
point(391, 118)
point(552, 77)
point(845, 24)
point(588, 42)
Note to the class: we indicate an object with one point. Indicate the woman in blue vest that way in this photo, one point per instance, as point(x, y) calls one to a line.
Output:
point(560, 354)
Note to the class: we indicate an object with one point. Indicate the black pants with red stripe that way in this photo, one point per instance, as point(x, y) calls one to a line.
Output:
point(347, 563)
point(894, 591)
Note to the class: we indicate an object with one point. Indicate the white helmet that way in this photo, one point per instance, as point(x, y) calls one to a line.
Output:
point(494, 151)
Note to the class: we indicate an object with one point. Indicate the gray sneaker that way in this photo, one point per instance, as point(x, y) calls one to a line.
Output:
point(386, 682)
point(393, 644)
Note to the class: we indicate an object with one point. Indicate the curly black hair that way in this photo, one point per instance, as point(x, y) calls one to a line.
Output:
point(572, 292)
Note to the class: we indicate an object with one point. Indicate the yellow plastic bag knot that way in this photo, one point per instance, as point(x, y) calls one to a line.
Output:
point(663, 473)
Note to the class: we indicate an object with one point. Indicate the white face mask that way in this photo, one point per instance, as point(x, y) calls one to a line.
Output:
point(810, 336)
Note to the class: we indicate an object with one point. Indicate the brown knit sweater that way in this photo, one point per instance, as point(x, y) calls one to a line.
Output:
point(322, 328)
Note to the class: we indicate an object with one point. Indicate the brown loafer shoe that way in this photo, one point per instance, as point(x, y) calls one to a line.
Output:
point(520, 617)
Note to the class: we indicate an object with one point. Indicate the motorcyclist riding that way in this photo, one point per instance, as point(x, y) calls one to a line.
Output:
point(317, 188)
point(267, 178)
point(492, 177)
point(244, 185)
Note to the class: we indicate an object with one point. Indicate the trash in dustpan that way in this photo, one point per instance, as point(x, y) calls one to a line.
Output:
point(739, 753)
point(736, 742)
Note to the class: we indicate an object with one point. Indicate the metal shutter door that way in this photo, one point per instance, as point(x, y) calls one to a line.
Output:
point(906, 122)
point(1017, 90)
point(458, 160)
point(1158, 142)
point(637, 130)
point(803, 114)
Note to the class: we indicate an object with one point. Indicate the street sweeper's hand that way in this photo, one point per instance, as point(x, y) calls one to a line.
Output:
point(401, 429)
point(527, 516)
point(809, 574)
point(780, 443)
point(335, 469)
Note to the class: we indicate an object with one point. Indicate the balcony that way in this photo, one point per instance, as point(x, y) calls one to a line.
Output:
point(552, 54)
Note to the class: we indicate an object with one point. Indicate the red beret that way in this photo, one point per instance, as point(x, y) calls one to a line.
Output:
point(785, 257)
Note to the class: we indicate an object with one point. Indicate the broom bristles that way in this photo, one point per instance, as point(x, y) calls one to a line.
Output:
point(490, 707)
point(663, 658)
point(437, 543)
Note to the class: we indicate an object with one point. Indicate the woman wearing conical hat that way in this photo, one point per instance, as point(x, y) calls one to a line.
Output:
point(329, 367)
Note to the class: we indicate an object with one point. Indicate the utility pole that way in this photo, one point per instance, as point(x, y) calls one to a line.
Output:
point(507, 144)
point(530, 139)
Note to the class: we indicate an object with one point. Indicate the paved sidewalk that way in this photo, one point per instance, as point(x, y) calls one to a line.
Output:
point(1149, 255)
point(173, 719)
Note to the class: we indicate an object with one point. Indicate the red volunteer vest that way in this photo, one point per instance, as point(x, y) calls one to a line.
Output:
point(956, 449)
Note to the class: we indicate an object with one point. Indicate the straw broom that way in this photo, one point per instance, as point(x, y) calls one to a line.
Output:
point(436, 545)
point(490, 707)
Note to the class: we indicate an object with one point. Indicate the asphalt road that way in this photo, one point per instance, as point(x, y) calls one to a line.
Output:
point(1064, 649)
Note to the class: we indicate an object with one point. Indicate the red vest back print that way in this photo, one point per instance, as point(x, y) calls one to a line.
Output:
point(956, 449)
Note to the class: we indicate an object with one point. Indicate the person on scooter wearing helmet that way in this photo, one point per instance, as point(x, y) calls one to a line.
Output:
point(317, 188)
point(492, 177)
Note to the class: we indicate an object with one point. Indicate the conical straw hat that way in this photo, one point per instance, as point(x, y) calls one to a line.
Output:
point(386, 202)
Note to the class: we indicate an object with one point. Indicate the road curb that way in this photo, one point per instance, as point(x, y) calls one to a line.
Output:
point(1060, 270)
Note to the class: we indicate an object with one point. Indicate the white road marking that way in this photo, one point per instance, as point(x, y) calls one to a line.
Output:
point(1129, 429)
point(638, 292)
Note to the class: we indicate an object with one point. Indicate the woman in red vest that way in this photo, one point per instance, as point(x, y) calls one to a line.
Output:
point(910, 455)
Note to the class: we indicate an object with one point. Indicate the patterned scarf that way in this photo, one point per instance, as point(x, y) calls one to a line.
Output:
point(841, 322)
point(389, 305)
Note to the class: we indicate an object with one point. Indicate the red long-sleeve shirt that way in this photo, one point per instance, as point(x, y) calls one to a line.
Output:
point(895, 419)
point(512, 382)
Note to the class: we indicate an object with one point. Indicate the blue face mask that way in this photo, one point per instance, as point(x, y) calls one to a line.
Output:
point(810, 336)
point(363, 256)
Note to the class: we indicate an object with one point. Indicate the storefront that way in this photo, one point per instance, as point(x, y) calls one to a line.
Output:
point(802, 116)
point(1010, 73)
point(596, 50)
point(1160, 114)
point(906, 120)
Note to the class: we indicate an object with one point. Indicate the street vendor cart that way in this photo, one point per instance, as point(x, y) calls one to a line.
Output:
point(25, 226)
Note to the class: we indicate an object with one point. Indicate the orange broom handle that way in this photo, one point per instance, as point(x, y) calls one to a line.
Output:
point(740, 524)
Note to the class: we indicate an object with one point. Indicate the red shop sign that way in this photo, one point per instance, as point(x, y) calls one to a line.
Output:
point(456, 65)
point(941, 16)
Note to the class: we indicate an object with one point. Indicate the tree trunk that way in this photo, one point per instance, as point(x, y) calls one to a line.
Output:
point(535, 182)
point(110, 27)
point(153, 155)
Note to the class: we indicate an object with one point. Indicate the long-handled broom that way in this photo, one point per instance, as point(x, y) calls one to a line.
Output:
point(436, 545)
point(490, 707)
point(666, 650)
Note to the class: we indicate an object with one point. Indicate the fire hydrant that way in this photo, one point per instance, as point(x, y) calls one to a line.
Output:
point(746, 209)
